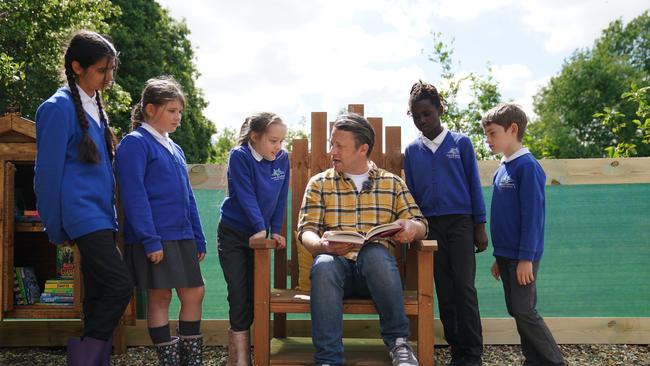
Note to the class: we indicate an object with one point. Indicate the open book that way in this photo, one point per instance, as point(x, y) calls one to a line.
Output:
point(379, 231)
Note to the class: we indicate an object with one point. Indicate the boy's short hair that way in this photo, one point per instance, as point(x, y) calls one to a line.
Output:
point(505, 114)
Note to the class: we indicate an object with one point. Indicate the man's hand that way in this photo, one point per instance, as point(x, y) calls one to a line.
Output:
point(282, 243)
point(411, 231)
point(525, 273)
point(336, 248)
point(156, 257)
point(495, 271)
point(480, 237)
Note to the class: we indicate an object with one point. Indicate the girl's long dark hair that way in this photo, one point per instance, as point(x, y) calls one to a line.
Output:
point(87, 48)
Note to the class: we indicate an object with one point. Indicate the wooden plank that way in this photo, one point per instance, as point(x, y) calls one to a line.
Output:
point(611, 330)
point(24, 127)
point(377, 154)
point(583, 171)
point(300, 351)
point(4, 244)
point(319, 160)
point(425, 327)
point(5, 125)
point(280, 282)
point(262, 288)
point(208, 176)
point(393, 156)
point(356, 108)
point(8, 177)
point(299, 179)
point(78, 284)
point(18, 151)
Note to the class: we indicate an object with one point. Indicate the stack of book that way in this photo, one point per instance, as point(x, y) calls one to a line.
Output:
point(26, 290)
point(58, 292)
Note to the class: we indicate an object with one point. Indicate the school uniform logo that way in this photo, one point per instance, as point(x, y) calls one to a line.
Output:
point(277, 174)
point(506, 182)
point(453, 153)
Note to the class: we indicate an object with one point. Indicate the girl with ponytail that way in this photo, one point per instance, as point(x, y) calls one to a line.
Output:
point(74, 185)
point(162, 229)
point(258, 182)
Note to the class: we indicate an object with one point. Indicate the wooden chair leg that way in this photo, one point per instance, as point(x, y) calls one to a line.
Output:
point(262, 288)
point(425, 308)
point(119, 339)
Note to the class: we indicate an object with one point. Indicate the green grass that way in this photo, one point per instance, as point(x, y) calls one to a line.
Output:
point(596, 261)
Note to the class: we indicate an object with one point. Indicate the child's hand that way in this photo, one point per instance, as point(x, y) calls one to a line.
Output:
point(525, 273)
point(156, 257)
point(480, 237)
point(495, 271)
point(280, 240)
point(259, 235)
point(200, 256)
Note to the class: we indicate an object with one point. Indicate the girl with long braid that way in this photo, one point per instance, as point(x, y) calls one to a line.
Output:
point(74, 185)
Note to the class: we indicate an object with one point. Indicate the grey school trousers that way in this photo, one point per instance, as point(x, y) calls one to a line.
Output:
point(537, 342)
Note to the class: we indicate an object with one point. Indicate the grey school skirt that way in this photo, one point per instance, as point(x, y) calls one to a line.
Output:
point(178, 269)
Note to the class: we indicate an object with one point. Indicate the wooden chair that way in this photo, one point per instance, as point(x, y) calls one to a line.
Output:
point(415, 261)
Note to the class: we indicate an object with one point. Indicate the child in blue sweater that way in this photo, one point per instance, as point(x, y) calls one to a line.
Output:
point(442, 174)
point(517, 228)
point(258, 182)
point(162, 230)
point(73, 181)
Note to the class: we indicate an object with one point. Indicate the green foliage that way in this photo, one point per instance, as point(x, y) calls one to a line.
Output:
point(619, 123)
point(299, 131)
point(484, 95)
point(225, 141)
point(152, 43)
point(592, 81)
point(33, 35)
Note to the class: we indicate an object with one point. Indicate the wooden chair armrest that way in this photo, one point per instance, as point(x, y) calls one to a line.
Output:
point(426, 245)
point(262, 244)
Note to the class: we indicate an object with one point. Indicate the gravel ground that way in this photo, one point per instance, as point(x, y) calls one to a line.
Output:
point(576, 355)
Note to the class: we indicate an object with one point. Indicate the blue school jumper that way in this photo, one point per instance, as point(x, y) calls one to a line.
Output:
point(74, 198)
point(517, 213)
point(446, 182)
point(156, 193)
point(257, 192)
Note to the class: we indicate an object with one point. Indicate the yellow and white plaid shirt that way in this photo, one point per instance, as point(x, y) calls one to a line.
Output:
point(331, 203)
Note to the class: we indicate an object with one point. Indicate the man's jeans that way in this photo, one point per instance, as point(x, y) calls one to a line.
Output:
point(373, 275)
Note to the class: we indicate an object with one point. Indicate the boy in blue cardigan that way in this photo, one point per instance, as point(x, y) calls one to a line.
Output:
point(517, 228)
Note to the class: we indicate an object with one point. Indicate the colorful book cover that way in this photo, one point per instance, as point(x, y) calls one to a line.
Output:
point(56, 299)
point(19, 296)
point(64, 261)
point(21, 285)
point(32, 291)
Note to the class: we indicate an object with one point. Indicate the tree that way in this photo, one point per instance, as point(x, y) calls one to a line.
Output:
point(619, 122)
point(33, 36)
point(225, 141)
point(590, 81)
point(152, 43)
point(483, 89)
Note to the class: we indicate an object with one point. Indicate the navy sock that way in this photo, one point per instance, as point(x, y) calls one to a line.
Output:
point(189, 328)
point(160, 335)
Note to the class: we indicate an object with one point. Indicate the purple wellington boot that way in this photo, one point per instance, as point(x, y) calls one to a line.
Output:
point(87, 352)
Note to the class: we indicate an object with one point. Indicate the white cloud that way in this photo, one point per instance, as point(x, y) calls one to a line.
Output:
point(568, 25)
point(294, 57)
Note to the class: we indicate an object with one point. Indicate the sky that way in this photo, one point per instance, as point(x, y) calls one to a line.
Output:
point(294, 57)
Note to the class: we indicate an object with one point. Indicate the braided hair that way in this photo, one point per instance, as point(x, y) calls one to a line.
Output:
point(87, 48)
point(425, 91)
point(257, 123)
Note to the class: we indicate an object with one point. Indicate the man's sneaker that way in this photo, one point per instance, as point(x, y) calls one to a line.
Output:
point(402, 354)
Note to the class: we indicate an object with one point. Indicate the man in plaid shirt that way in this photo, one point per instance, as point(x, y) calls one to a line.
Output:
point(356, 195)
